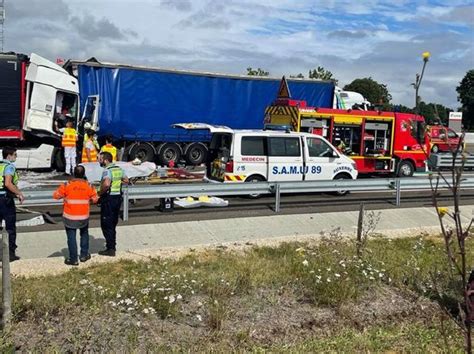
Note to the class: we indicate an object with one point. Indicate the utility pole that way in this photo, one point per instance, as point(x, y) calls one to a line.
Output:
point(2, 21)
point(426, 57)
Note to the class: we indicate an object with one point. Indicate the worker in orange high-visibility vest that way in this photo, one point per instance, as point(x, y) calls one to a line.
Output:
point(108, 147)
point(69, 144)
point(89, 151)
point(77, 194)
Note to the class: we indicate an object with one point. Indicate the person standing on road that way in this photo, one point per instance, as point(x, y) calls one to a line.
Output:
point(89, 150)
point(8, 191)
point(77, 194)
point(110, 194)
point(69, 144)
point(108, 147)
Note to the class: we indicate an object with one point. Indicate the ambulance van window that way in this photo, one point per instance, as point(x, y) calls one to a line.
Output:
point(318, 148)
point(253, 146)
point(284, 146)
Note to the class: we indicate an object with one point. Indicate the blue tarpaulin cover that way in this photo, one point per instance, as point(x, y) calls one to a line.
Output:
point(142, 105)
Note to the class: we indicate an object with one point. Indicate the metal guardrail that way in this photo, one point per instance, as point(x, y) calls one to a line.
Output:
point(396, 185)
point(438, 161)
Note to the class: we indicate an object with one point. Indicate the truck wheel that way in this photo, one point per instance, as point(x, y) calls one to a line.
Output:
point(59, 161)
point(142, 151)
point(435, 149)
point(169, 152)
point(196, 154)
point(341, 176)
point(405, 169)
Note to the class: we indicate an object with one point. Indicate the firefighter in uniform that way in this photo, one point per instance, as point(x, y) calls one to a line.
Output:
point(110, 194)
point(69, 144)
point(8, 191)
point(108, 147)
point(89, 150)
point(77, 193)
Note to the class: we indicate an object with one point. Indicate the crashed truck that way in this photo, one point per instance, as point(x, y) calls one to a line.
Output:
point(136, 105)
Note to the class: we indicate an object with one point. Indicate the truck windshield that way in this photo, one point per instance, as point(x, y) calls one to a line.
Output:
point(417, 130)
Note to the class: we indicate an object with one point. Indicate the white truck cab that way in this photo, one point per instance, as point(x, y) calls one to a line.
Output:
point(274, 156)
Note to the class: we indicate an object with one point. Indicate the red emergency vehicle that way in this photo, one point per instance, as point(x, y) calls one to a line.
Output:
point(379, 142)
point(442, 139)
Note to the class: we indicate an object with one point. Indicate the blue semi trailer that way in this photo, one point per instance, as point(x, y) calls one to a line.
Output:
point(138, 105)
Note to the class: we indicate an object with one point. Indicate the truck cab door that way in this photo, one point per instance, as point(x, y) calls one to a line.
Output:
point(46, 81)
point(285, 159)
point(90, 113)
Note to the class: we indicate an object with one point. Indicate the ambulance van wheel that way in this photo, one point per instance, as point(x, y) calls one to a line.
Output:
point(254, 179)
point(196, 154)
point(342, 176)
point(405, 169)
point(435, 149)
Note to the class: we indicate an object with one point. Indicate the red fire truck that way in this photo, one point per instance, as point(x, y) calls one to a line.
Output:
point(379, 142)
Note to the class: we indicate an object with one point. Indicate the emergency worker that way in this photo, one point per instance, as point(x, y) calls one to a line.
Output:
point(8, 191)
point(110, 194)
point(108, 147)
point(77, 194)
point(89, 150)
point(69, 144)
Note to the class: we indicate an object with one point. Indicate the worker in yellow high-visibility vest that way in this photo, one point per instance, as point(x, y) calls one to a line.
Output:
point(69, 144)
point(108, 147)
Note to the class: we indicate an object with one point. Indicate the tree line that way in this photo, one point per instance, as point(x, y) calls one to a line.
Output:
point(379, 95)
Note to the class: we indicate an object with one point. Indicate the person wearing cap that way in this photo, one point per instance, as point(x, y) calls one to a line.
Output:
point(108, 147)
point(69, 144)
point(89, 150)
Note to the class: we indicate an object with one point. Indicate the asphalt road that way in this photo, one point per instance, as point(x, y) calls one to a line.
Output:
point(146, 211)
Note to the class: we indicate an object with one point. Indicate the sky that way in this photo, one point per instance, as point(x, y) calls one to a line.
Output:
point(351, 38)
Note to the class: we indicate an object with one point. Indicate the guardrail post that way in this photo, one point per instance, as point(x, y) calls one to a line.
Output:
point(277, 198)
point(6, 283)
point(126, 203)
point(398, 191)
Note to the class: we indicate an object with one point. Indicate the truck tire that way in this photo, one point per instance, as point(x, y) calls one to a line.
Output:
point(59, 163)
point(142, 151)
point(405, 169)
point(169, 152)
point(196, 154)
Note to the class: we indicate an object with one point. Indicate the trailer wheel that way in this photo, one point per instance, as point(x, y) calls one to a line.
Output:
point(435, 149)
point(169, 152)
point(405, 169)
point(142, 151)
point(196, 154)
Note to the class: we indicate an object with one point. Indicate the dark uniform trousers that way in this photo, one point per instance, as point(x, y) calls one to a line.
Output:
point(109, 215)
point(8, 213)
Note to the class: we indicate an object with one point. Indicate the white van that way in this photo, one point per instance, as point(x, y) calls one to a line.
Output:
point(273, 156)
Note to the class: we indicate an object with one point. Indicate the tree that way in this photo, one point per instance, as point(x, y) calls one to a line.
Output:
point(257, 72)
point(376, 93)
point(466, 97)
point(434, 113)
point(299, 76)
point(321, 74)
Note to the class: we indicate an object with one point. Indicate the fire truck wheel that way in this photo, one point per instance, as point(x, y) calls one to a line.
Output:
point(169, 152)
point(196, 154)
point(435, 149)
point(339, 177)
point(405, 169)
point(254, 179)
point(59, 161)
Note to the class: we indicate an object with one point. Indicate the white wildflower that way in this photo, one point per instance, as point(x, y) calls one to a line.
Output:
point(171, 299)
point(337, 275)
point(83, 281)
point(328, 280)
point(146, 311)
point(29, 300)
point(305, 263)
point(371, 278)
point(179, 297)
point(199, 318)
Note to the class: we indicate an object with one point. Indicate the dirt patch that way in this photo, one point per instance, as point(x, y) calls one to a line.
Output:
point(263, 318)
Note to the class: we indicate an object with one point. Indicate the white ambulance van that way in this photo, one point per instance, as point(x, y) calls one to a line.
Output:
point(273, 156)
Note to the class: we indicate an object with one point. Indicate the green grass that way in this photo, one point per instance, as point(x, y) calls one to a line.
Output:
point(324, 275)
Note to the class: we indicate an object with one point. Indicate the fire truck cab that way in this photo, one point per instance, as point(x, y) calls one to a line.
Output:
point(378, 142)
point(443, 139)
